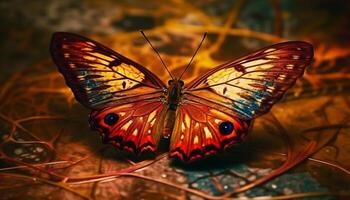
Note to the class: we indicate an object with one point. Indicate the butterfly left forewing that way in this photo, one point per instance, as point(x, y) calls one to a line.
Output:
point(100, 77)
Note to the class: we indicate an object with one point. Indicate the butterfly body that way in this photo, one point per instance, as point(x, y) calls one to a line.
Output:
point(134, 110)
point(173, 100)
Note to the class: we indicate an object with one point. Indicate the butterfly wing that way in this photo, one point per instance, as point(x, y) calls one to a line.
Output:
point(132, 127)
point(248, 87)
point(100, 77)
point(233, 94)
point(126, 97)
point(201, 130)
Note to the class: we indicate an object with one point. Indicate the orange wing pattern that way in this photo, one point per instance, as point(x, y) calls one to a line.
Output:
point(131, 127)
point(199, 132)
point(249, 86)
point(100, 77)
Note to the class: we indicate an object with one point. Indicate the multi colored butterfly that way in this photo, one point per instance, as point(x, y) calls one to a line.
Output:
point(134, 110)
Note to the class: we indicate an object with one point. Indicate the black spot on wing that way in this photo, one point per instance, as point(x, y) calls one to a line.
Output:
point(224, 91)
point(239, 68)
point(115, 62)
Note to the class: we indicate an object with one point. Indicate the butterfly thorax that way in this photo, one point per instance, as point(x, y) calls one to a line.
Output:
point(174, 93)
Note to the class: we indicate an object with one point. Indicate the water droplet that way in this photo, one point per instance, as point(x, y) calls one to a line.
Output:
point(164, 175)
point(274, 186)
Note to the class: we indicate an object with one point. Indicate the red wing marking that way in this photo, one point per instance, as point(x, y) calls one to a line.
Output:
point(136, 130)
point(196, 133)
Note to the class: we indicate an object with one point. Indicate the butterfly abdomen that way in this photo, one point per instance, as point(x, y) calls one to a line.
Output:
point(169, 123)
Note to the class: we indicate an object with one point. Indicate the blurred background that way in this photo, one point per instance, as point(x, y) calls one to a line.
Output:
point(298, 150)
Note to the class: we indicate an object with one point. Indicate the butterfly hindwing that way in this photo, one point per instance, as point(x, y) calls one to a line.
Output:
point(100, 77)
point(249, 86)
point(201, 131)
point(131, 127)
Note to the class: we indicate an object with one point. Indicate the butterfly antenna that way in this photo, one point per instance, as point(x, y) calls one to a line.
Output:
point(199, 46)
point(149, 42)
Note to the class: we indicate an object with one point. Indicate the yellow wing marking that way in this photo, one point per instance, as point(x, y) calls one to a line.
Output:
point(195, 140)
point(126, 126)
point(99, 55)
point(129, 71)
point(126, 77)
point(151, 116)
point(208, 134)
point(182, 137)
point(223, 75)
point(187, 121)
point(90, 43)
point(226, 82)
point(183, 127)
point(272, 57)
point(254, 62)
point(266, 66)
point(269, 50)
point(135, 132)
point(99, 60)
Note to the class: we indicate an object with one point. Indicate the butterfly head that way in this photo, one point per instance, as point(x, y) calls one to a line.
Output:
point(176, 83)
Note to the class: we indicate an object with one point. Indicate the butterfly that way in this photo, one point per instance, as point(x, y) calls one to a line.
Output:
point(134, 110)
